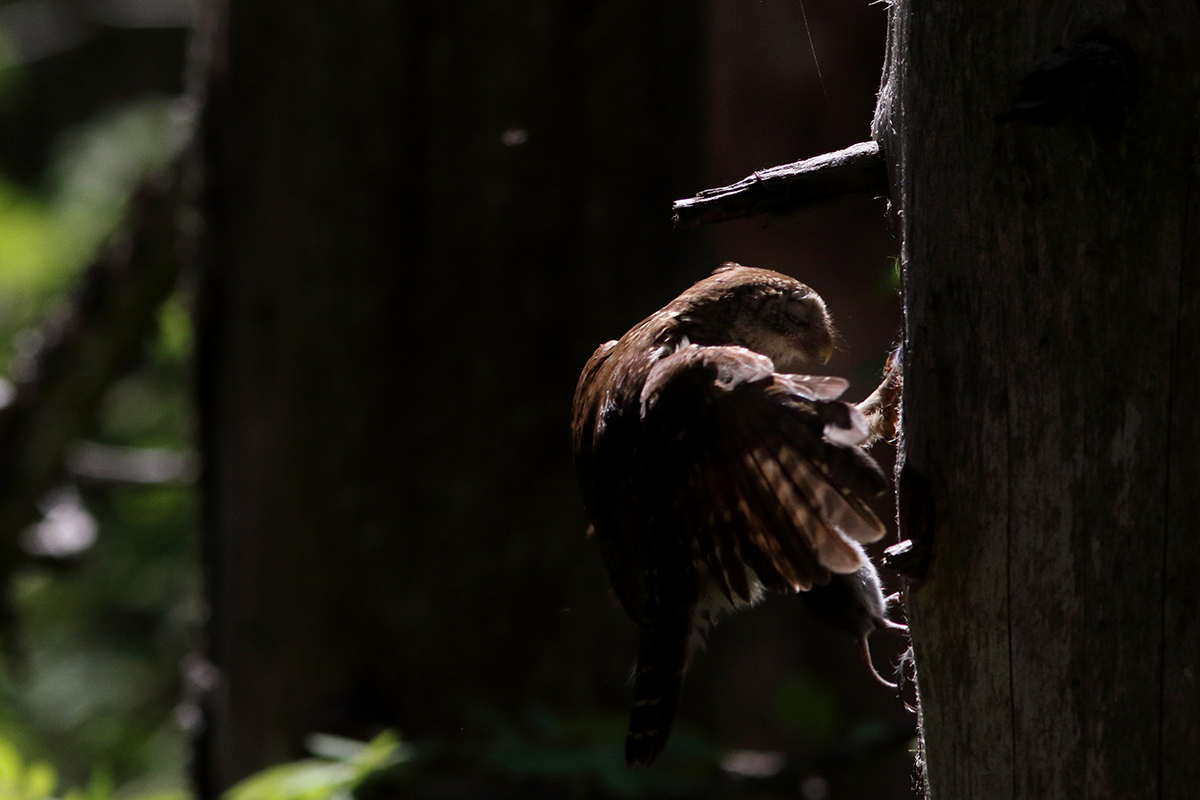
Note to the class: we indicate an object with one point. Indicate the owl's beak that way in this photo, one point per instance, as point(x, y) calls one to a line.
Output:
point(826, 351)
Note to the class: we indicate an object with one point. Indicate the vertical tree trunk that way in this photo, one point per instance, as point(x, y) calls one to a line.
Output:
point(422, 219)
point(1051, 387)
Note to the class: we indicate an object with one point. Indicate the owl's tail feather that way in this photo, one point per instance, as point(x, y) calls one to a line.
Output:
point(662, 660)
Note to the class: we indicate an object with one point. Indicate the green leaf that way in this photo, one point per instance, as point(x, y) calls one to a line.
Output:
point(10, 768)
point(40, 780)
point(30, 259)
point(173, 795)
point(383, 751)
point(100, 787)
point(334, 748)
point(345, 764)
point(99, 165)
point(312, 779)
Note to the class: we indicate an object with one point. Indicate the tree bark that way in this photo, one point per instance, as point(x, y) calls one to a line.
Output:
point(423, 217)
point(1051, 235)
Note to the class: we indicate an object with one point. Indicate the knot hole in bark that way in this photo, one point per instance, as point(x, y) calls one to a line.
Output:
point(1094, 81)
point(917, 516)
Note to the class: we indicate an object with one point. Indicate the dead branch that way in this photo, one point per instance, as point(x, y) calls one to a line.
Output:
point(790, 189)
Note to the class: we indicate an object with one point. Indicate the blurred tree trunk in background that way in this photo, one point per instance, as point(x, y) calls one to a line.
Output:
point(422, 218)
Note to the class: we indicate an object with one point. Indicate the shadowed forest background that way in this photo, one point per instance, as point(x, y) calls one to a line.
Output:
point(334, 494)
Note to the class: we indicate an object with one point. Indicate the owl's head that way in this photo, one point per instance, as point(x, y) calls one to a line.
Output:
point(761, 310)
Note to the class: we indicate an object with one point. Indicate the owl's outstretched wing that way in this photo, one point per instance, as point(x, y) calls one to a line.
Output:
point(764, 469)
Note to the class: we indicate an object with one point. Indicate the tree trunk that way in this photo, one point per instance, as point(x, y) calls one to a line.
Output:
point(1052, 340)
point(422, 219)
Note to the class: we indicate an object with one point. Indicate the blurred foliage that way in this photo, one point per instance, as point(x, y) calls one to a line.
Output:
point(21, 781)
point(551, 757)
point(10, 71)
point(47, 237)
point(589, 751)
point(102, 637)
point(92, 680)
point(37, 780)
point(341, 766)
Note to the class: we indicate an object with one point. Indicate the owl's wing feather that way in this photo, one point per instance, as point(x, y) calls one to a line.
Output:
point(820, 541)
point(613, 493)
point(765, 486)
point(771, 548)
point(813, 387)
point(846, 472)
point(726, 518)
point(701, 525)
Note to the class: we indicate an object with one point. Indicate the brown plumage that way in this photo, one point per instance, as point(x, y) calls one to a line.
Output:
point(713, 473)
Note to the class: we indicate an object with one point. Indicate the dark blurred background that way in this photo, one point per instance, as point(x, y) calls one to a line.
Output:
point(113, 646)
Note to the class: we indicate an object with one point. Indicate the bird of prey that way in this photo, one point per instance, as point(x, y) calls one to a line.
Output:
point(714, 472)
